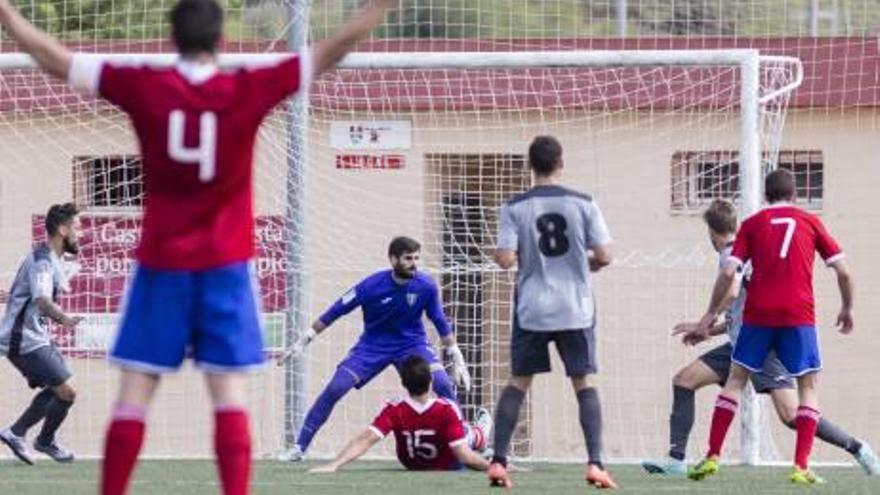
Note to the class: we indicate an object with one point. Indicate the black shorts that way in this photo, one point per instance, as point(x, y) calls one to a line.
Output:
point(530, 353)
point(773, 376)
point(42, 367)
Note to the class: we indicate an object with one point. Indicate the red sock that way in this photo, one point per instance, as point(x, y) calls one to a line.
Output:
point(232, 444)
point(478, 438)
point(725, 410)
point(806, 421)
point(123, 442)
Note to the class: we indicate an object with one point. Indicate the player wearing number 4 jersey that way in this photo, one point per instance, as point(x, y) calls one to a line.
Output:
point(193, 291)
point(428, 430)
point(780, 242)
point(557, 236)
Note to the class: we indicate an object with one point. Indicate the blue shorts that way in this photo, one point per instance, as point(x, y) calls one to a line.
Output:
point(210, 315)
point(365, 363)
point(796, 347)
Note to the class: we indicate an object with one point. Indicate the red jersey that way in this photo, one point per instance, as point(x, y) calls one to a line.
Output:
point(781, 242)
point(425, 434)
point(196, 127)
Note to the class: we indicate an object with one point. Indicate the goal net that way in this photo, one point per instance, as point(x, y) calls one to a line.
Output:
point(425, 138)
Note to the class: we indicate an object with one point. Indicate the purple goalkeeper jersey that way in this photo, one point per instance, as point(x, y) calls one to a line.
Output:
point(392, 311)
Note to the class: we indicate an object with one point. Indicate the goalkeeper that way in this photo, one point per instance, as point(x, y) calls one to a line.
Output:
point(392, 302)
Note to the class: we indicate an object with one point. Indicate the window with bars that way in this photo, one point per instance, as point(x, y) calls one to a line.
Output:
point(108, 182)
point(698, 177)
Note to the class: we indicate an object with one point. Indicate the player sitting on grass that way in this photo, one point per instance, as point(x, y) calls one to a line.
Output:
point(713, 367)
point(428, 430)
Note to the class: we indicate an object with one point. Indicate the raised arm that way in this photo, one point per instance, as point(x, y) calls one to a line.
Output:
point(356, 448)
point(49, 53)
point(327, 53)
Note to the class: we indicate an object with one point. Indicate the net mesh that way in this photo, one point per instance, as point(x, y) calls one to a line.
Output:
point(432, 153)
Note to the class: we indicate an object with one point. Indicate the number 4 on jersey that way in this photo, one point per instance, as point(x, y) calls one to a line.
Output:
point(205, 154)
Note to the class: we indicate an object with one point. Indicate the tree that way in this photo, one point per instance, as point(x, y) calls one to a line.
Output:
point(433, 19)
point(687, 17)
point(106, 19)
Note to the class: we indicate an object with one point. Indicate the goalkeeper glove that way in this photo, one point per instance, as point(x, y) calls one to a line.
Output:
point(460, 374)
point(299, 346)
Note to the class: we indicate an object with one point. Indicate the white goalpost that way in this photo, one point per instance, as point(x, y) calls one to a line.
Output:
point(426, 144)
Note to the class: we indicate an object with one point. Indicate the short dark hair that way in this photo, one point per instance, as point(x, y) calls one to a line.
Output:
point(196, 26)
point(720, 216)
point(415, 375)
point(779, 186)
point(403, 245)
point(59, 215)
point(545, 155)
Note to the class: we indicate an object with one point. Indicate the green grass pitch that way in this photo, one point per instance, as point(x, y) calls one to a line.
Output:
point(387, 478)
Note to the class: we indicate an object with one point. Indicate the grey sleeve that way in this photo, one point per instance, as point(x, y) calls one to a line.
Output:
point(742, 272)
point(597, 229)
point(40, 279)
point(507, 231)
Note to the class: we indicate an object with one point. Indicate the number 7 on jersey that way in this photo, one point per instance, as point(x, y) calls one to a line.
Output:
point(790, 224)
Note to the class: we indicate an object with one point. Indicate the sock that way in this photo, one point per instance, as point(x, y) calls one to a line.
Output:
point(725, 410)
point(232, 444)
point(125, 435)
point(680, 421)
point(829, 432)
point(506, 416)
point(806, 422)
point(476, 438)
point(339, 385)
point(34, 413)
point(55, 414)
point(590, 412)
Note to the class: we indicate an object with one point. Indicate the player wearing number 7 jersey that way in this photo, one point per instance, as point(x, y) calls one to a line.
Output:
point(193, 291)
point(557, 236)
point(780, 241)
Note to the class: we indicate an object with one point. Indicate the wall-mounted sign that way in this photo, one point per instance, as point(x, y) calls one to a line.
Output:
point(371, 135)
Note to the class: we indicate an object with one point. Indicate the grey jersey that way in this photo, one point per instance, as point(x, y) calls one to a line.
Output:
point(734, 314)
point(23, 329)
point(552, 228)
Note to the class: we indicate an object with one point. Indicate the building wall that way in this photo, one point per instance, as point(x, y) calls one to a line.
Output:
point(662, 274)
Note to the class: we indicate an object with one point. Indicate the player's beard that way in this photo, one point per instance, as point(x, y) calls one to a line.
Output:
point(71, 247)
point(402, 272)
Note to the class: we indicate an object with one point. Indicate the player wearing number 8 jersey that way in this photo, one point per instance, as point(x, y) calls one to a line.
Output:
point(193, 292)
point(780, 242)
point(557, 236)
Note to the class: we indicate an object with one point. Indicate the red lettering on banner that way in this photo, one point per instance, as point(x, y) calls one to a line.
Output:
point(390, 162)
